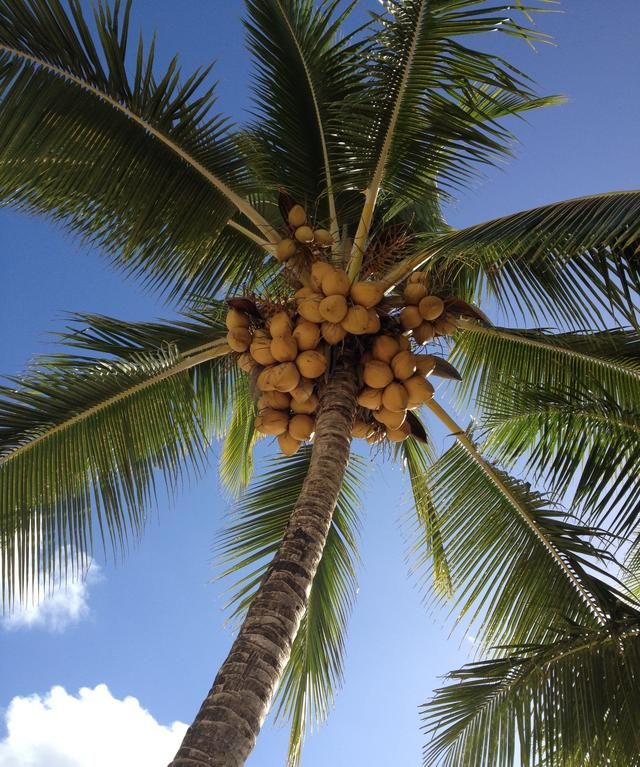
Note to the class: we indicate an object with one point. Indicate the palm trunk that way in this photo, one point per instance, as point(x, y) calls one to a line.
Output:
point(225, 730)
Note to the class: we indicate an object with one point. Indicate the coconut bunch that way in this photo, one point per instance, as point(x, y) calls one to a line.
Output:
point(303, 236)
point(423, 314)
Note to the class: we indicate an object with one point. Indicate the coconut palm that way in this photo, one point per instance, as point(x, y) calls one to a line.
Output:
point(369, 129)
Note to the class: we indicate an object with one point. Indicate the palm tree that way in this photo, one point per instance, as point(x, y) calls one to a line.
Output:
point(369, 129)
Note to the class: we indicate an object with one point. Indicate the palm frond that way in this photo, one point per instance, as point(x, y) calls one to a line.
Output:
point(573, 702)
point(236, 459)
point(572, 261)
point(83, 443)
point(133, 160)
point(314, 670)
point(431, 108)
point(521, 567)
point(581, 441)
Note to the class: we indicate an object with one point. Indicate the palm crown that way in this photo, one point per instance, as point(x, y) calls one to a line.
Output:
point(370, 130)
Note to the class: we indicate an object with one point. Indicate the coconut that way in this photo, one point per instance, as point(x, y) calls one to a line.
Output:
point(398, 435)
point(261, 350)
point(276, 400)
point(424, 333)
point(419, 391)
point(323, 237)
point(333, 308)
point(361, 429)
point(333, 333)
point(236, 319)
point(385, 348)
point(418, 277)
point(285, 376)
point(403, 365)
point(309, 308)
point(273, 422)
point(265, 380)
point(239, 339)
point(297, 216)
point(445, 326)
point(308, 407)
point(288, 445)
point(304, 234)
point(410, 317)
point(390, 419)
point(284, 349)
point(307, 335)
point(414, 293)
point(374, 322)
point(285, 249)
point(301, 427)
point(303, 293)
point(311, 364)
point(280, 325)
point(367, 294)
point(246, 362)
point(431, 307)
point(303, 390)
point(405, 343)
point(356, 321)
point(425, 364)
point(395, 397)
point(377, 374)
point(318, 270)
point(336, 282)
point(370, 398)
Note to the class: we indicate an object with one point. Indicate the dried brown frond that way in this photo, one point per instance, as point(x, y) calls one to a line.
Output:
point(386, 249)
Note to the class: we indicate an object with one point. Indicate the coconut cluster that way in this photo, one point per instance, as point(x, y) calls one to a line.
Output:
point(424, 315)
point(304, 235)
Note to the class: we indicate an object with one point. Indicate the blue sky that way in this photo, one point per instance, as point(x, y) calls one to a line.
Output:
point(151, 625)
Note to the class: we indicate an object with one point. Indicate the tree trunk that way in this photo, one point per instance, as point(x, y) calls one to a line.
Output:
point(225, 730)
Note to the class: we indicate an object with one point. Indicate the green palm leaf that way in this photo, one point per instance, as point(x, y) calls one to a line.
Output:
point(573, 702)
point(136, 164)
point(314, 670)
point(236, 459)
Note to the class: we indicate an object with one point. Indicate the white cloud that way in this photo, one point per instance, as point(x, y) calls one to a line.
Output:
point(92, 729)
point(56, 607)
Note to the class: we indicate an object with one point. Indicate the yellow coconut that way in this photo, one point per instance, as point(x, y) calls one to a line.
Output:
point(403, 365)
point(265, 380)
point(285, 376)
point(239, 339)
point(385, 348)
point(419, 391)
point(284, 349)
point(445, 326)
point(236, 319)
point(367, 294)
point(276, 400)
point(336, 282)
point(356, 321)
point(307, 335)
point(410, 317)
point(418, 277)
point(333, 308)
point(395, 397)
point(246, 362)
point(323, 237)
point(377, 374)
point(333, 333)
point(309, 308)
point(297, 216)
point(280, 325)
point(301, 427)
point(431, 307)
point(308, 407)
point(361, 429)
point(389, 418)
point(285, 249)
point(312, 363)
point(318, 270)
point(303, 390)
point(374, 322)
point(261, 350)
point(405, 343)
point(288, 445)
point(370, 398)
point(303, 293)
point(424, 333)
point(425, 364)
point(273, 422)
point(398, 435)
point(414, 293)
point(304, 234)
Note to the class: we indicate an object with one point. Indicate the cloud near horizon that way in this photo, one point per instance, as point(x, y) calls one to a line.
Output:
point(90, 729)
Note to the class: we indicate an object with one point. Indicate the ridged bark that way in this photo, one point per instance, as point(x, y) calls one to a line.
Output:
point(225, 729)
